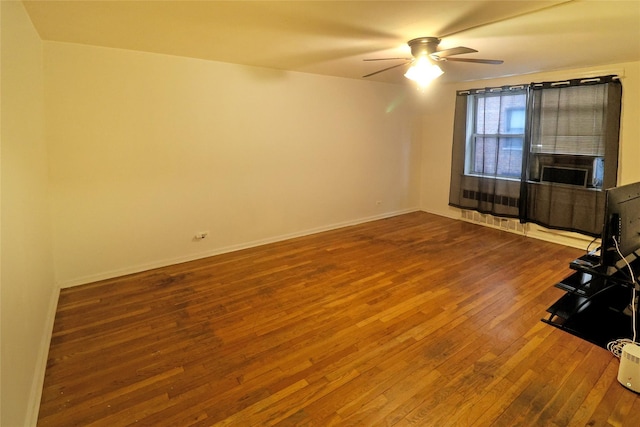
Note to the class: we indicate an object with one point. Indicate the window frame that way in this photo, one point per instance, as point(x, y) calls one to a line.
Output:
point(473, 135)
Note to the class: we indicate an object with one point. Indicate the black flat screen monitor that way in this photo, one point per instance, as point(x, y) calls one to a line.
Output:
point(622, 223)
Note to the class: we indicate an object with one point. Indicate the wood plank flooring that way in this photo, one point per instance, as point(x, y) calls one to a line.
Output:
point(413, 320)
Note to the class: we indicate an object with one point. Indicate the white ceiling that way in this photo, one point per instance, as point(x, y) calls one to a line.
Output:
point(333, 37)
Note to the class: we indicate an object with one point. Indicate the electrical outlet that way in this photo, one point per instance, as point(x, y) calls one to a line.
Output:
point(201, 235)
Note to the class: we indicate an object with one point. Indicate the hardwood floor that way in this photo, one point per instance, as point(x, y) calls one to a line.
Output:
point(414, 320)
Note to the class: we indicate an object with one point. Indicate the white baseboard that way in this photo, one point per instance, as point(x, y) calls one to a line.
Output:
point(566, 238)
point(41, 361)
point(218, 251)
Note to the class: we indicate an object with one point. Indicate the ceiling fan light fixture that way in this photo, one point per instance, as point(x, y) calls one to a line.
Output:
point(423, 71)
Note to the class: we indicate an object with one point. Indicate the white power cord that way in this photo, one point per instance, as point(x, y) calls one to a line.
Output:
point(615, 346)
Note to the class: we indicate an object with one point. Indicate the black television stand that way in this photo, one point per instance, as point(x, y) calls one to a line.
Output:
point(594, 303)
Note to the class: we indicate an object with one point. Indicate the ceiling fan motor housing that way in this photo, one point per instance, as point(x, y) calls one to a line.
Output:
point(423, 46)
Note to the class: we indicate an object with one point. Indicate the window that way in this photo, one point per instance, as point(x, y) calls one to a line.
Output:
point(496, 137)
point(567, 133)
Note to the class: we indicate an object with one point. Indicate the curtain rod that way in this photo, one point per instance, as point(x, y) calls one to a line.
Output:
point(541, 85)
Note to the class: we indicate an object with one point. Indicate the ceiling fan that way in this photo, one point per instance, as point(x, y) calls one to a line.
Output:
point(426, 56)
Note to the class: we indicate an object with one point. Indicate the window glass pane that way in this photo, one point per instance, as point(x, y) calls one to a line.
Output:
point(500, 114)
point(499, 156)
point(515, 120)
point(510, 157)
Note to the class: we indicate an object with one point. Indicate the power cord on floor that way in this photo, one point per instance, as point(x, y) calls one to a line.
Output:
point(615, 346)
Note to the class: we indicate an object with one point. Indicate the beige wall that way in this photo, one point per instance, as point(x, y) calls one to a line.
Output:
point(437, 131)
point(147, 149)
point(28, 294)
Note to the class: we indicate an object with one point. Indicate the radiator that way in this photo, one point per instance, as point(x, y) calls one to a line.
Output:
point(507, 224)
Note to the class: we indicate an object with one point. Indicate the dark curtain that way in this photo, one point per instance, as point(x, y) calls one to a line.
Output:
point(573, 153)
point(569, 153)
point(470, 188)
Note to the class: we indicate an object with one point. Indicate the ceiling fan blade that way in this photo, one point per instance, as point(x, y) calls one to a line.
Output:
point(387, 59)
point(385, 69)
point(453, 51)
point(479, 61)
